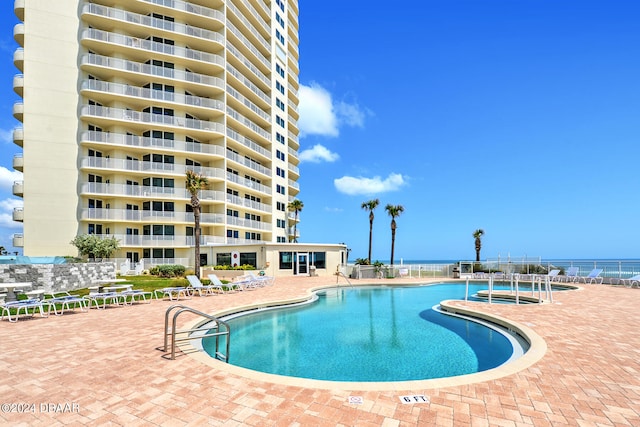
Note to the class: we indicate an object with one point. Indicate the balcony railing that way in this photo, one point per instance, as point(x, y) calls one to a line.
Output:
point(248, 203)
point(147, 216)
point(18, 188)
point(247, 142)
point(152, 70)
point(156, 143)
point(247, 44)
point(152, 47)
point(249, 26)
point(148, 192)
point(149, 118)
point(18, 58)
point(249, 84)
point(18, 162)
point(265, 26)
point(195, 9)
point(18, 110)
point(151, 94)
point(18, 214)
point(248, 163)
point(248, 123)
point(248, 183)
point(151, 22)
point(18, 33)
point(18, 136)
point(155, 167)
point(18, 240)
point(250, 105)
point(247, 223)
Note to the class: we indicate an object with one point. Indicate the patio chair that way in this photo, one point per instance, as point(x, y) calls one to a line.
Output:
point(195, 285)
point(101, 299)
point(261, 280)
point(173, 293)
point(130, 295)
point(592, 277)
point(553, 275)
point(631, 281)
point(217, 283)
point(24, 305)
point(66, 301)
point(571, 276)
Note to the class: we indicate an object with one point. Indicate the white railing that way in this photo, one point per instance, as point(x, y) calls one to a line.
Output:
point(157, 143)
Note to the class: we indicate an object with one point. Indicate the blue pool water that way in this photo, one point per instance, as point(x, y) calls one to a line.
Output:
point(367, 334)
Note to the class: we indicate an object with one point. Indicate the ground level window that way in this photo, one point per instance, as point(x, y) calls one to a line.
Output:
point(319, 259)
point(248, 258)
point(286, 260)
point(223, 259)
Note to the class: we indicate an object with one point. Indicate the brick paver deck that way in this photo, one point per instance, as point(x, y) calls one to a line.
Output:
point(103, 368)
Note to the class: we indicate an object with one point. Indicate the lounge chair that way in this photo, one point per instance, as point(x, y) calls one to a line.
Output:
point(66, 301)
point(130, 295)
point(631, 281)
point(553, 275)
point(24, 305)
point(173, 293)
point(571, 276)
point(217, 283)
point(261, 280)
point(592, 277)
point(103, 298)
point(195, 285)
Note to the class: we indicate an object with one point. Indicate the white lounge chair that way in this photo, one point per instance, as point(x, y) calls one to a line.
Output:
point(571, 276)
point(173, 293)
point(197, 286)
point(261, 280)
point(66, 301)
point(132, 295)
point(24, 305)
point(217, 283)
point(101, 299)
point(553, 275)
point(593, 276)
point(631, 281)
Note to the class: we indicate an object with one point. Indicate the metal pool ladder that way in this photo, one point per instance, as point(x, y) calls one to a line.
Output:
point(216, 328)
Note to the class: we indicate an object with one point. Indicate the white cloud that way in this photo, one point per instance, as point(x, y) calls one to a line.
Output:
point(333, 210)
point(319, 115)
point(6, 136)
point(318, 154)
point(6, 213)
point(8, 177)
point(360, 185)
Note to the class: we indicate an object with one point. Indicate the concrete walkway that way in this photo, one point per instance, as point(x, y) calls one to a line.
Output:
point(103, 368)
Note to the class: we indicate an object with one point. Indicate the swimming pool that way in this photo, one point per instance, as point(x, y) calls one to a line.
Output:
point(374, 334)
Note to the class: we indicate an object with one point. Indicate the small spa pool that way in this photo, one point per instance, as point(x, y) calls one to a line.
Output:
point(370, 334)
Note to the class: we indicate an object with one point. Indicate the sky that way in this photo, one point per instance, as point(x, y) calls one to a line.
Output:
point(517, 117)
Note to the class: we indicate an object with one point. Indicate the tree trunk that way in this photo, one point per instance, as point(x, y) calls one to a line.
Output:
point(196, 218)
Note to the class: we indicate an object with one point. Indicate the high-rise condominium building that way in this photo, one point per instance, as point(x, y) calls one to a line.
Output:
point(122, 97)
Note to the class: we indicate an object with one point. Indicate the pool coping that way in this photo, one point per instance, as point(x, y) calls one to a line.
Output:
point(536, 351)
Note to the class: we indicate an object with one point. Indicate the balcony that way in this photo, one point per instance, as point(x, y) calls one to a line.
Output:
point(144, 192)
point(18, 136)
point(248, 204)
point(247, 223)
point(248, 123)
point(18, 34)
point(18, 240)
point(18, 110)
point(97, 39)
point(158, 144)
point(242, 160)
point(129, 69)
point(256, 34)
point(18, 162)
point(247, 142)
point(194, 12)
point(193, 36)
point(18, 58)
point(248, 104)
point(248, 64)
point(18, 84)
point(128, 240)
point(127, 215)
point(18, 188)
point(247, 183)
point(145, 95)
point(143, 120)
point(148, 167)
point(248, 47)
point(18, 9)
point(18, 214)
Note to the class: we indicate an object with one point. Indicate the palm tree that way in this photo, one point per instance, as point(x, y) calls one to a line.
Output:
point(477, 235)
point(370, 206)
point(196, 182)
point(295, 206)
point(393, 211)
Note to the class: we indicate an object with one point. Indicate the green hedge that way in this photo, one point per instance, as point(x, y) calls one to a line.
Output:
point(168, 270)
point(240, 267)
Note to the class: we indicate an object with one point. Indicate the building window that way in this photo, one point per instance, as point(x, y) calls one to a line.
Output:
point(280, 121)
point(319, 259)
point(286, 260)
point(280, 70)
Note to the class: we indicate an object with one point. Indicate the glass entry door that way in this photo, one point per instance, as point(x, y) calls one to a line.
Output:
point(302, 263)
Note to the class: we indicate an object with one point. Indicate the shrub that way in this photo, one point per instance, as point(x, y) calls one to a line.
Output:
point(169, 270)
point(240, 267)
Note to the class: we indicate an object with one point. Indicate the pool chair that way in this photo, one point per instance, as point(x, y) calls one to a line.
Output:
point(101, 299)
point(66, 301)
point(196, 286)
point(553, 275)
point(571, 276)
point(631, 281)
point(261, 280)
point(174, 293)
point(593, 277)
point(217, 283)
point(136, 295)
point(24, 305)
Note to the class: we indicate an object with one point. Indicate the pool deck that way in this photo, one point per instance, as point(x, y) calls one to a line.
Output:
point(104, 368)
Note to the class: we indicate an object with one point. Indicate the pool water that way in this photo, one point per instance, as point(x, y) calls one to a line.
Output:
point(372, 334)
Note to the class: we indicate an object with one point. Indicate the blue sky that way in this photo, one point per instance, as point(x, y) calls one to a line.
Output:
point(520, 117)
